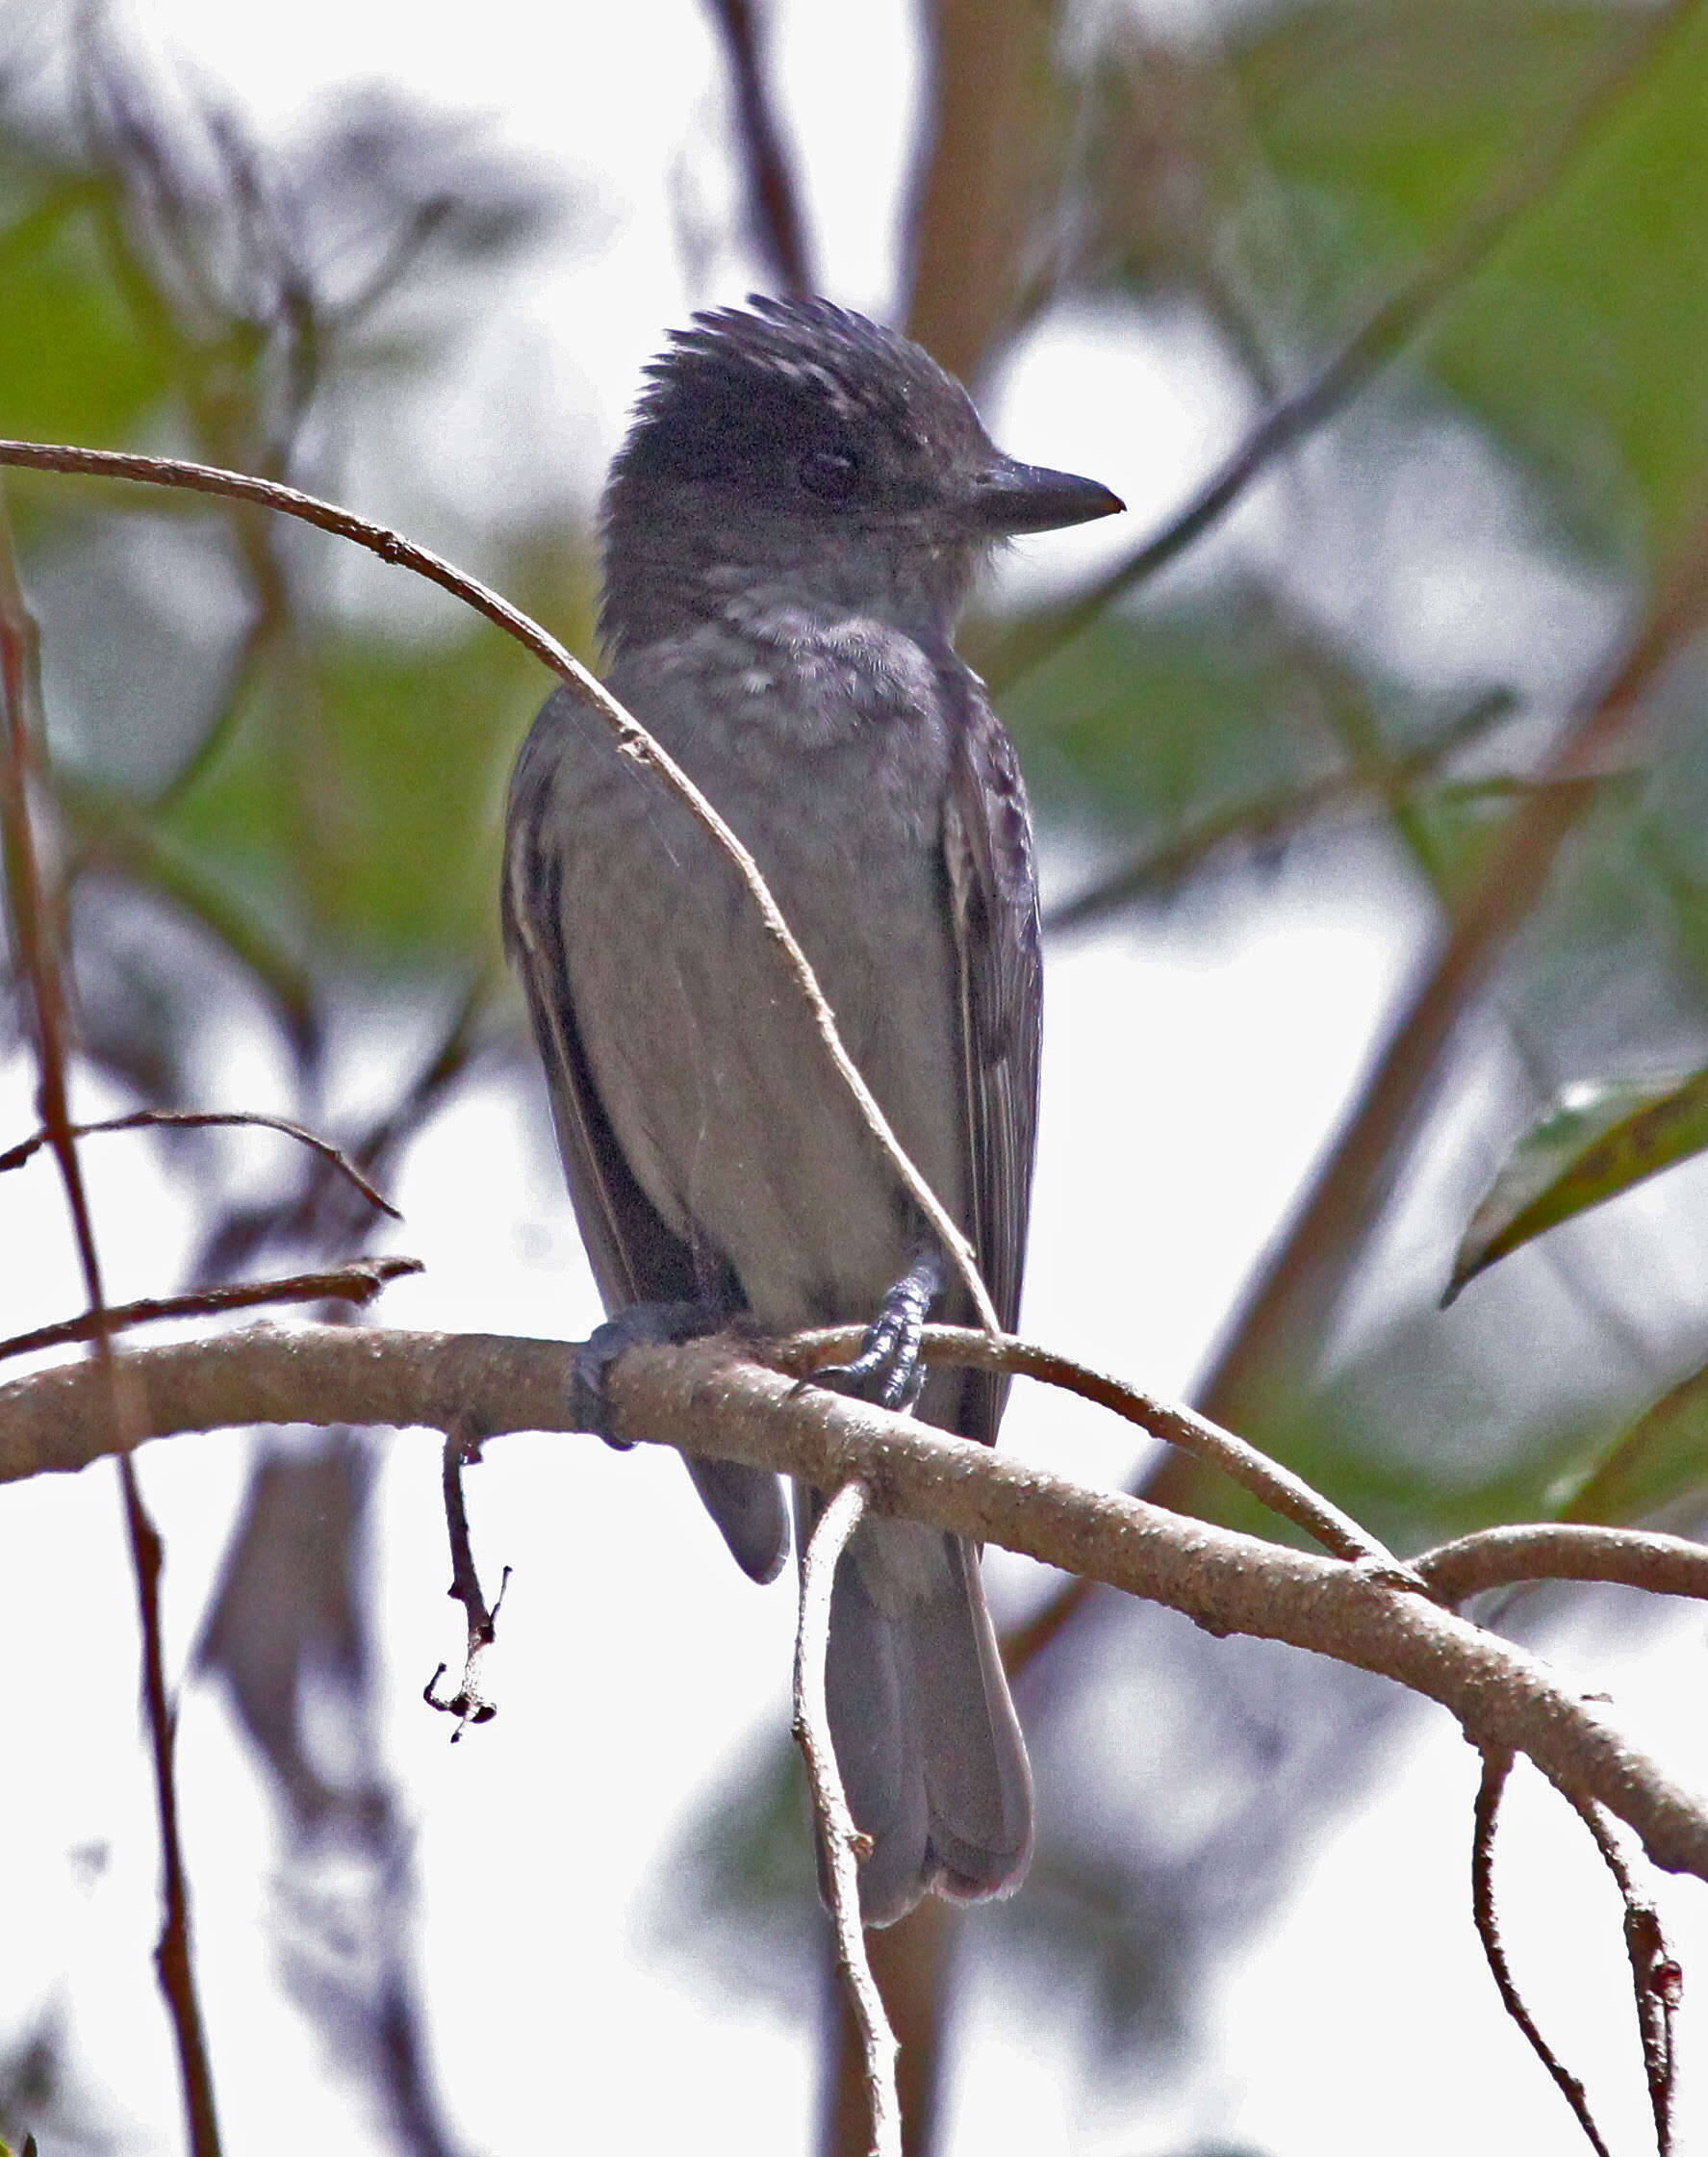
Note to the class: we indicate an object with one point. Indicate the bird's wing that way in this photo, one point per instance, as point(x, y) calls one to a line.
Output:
point(636, 1259)
point(994, 889)
point(634, 1256)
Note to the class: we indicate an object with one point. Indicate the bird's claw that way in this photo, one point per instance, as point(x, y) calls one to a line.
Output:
point(641, 1325)
point(887, 1370)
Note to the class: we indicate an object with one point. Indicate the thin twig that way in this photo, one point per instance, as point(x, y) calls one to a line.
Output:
point(358, 1282)
point(632, 738)
point(468, 1704)
point(1497, 1765)
point(1267, 1481)
point(202, 1119)
point(1384, 336)
point(1502, 1557)
point(844, 1846)
point(22, 739)
point(1656, 1981)
point(773, 198)
point(1273, 817)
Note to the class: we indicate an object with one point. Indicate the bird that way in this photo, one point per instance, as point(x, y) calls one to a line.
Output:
point(790, 529)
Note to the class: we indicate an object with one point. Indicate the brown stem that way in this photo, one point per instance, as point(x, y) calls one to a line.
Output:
point(1498, 1766)
point(1656, 1980)
point(358, 1282)
point(1194, 1435)
point(205, 1119)
point(1501, 1557)
point(910, 1963)
point(844, 1846)
point(774, 196)
point(22, 749)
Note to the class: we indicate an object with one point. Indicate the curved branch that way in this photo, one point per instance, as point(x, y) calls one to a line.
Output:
point(1505, 1557)
point(1267, 1480)
point(631, 737)
point(708, 1399)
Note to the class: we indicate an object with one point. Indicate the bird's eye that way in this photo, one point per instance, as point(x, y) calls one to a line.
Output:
point(829, 473)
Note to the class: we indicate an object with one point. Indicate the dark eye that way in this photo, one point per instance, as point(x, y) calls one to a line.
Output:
point(832, 475)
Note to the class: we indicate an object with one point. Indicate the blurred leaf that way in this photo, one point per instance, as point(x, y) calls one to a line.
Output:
point(1399, 113)
point(357, 805)
point(1150, 720)
point(72, 366)
point(1660, 1459)
point(1601, 1140)
point(1581, 340)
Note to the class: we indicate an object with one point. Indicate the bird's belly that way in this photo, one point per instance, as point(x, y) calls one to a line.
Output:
point(718, 1086)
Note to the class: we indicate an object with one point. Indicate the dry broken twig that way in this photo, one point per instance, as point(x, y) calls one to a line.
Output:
point(358, 1282)
point(468, 1704)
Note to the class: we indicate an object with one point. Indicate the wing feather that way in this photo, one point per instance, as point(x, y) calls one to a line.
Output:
point(993, 882)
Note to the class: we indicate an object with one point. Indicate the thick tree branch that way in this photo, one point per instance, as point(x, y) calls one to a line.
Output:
point(707, 1397)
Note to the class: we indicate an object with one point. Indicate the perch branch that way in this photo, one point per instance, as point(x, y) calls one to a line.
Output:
point(707, 1397)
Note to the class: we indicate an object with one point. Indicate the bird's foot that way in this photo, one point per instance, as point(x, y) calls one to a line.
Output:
point(641, 1325)
point(888, 1370)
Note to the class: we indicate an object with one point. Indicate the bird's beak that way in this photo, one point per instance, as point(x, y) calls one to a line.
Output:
point(1008, 497)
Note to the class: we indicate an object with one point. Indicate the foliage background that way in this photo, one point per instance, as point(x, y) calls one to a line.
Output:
point(1287, 763)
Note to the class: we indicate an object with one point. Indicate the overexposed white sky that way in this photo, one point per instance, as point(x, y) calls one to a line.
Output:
point(539, 1843)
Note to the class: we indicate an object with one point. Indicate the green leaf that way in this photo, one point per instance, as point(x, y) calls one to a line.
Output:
point(1662, 1458)
point(1389, 123)
point(72, 366)
point(1600, 1140)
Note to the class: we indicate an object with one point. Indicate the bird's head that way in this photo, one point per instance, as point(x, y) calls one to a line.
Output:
point(792, 454)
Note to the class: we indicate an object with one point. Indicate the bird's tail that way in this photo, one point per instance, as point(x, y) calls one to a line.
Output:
point(926, 1735)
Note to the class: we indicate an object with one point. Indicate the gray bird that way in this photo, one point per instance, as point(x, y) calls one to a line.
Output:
point(790, 530)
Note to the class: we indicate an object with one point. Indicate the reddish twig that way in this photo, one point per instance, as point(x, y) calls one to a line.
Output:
point(201, 1119)
point(1498, 1766)
point(1656, 1979)
point(357, 1282)
point(20, 748)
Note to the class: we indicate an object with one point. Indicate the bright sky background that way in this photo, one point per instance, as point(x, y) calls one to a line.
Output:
point(541, 1841)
